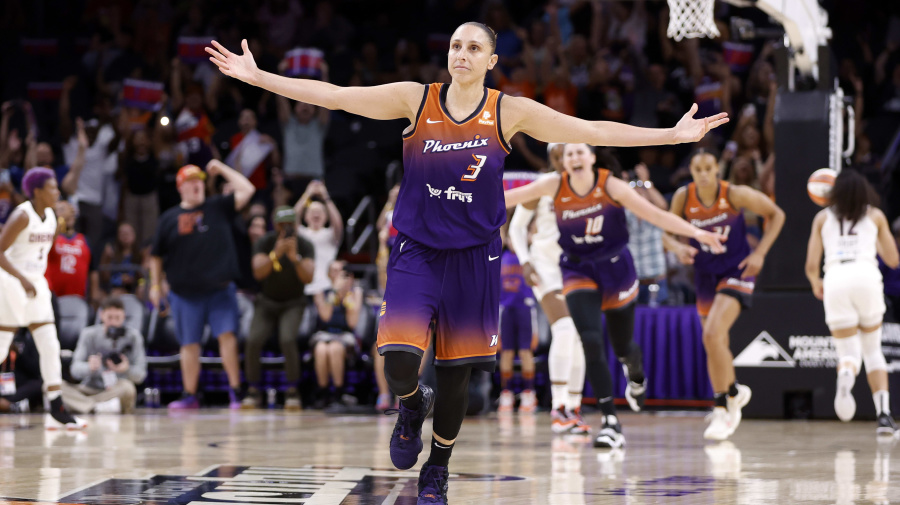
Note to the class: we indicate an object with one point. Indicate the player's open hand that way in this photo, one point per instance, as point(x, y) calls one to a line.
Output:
point(751, 265)
point(242, 67)
point(711, 240)
point(29, 288)
point(690, 129)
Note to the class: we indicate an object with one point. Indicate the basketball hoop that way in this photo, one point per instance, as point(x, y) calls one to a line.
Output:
point(691, 19)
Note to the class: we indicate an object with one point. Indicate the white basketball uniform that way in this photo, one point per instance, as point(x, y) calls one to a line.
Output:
point(853, 289)
point(28, 253)
point(545, 250)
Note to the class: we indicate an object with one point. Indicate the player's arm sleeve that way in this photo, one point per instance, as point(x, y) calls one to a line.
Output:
point(518, 233)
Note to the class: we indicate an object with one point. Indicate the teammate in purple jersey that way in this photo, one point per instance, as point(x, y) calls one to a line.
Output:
point(518, 333)
point(448, 213)
point(724, 282)
point(598, 271)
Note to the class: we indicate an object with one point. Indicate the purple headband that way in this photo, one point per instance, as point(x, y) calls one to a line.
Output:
point(35, 179)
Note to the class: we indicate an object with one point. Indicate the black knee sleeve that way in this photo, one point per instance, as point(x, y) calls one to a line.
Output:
point(401, 370)
point(452, 400)
point(584, 306)
point(620, 323)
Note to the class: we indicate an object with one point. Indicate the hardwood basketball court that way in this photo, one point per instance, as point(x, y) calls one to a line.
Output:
point(218, 456)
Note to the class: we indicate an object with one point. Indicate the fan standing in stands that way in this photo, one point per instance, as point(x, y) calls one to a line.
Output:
point(194, 244)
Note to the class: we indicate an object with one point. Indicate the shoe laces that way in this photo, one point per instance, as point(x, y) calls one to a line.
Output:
point(404, 423)
point(433, 485)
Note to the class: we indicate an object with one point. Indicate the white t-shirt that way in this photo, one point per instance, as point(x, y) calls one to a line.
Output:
point(99, 166)
point(326, 251)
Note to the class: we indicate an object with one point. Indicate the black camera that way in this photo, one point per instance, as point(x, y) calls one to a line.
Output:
point(115, 332)
point(113, 356)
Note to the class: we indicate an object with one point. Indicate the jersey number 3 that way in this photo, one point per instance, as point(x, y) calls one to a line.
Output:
point(474, 169)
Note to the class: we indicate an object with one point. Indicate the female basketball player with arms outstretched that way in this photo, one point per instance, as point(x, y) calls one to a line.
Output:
point(725, 281)
point(597, 268)
point(448, 213)
point(851, 234)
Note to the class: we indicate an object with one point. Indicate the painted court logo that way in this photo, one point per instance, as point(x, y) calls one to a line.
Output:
point(261, 485)
point(764, 351)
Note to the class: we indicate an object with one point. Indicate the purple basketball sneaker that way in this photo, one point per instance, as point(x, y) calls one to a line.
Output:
point(406, 441)
point(433, 485)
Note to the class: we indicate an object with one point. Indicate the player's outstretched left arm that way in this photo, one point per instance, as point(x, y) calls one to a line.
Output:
point(814, 251)
point(16, 225)
point(545, 185)
point(395, 100)
point(543, 123)
point(744, 197)
point(620, 191)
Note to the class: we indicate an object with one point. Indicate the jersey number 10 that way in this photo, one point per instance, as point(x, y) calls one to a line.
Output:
point(594, 225)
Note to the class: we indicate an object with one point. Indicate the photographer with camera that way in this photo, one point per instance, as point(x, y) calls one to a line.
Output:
point(283, 263)
point(109, 360)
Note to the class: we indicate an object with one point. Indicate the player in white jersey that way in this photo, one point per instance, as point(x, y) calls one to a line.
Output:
point(540, 265)
point(852, 233)
point(24, 294)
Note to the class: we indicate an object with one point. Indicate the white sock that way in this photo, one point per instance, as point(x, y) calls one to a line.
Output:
point(882, 402)
point(574, 401)
point(6, 338)
point(559, 394)
point(52, 395)
point(559, 361)
point(47, 344)
point(576, 375)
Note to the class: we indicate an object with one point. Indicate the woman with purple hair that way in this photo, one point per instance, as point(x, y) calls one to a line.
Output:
point(25, 302)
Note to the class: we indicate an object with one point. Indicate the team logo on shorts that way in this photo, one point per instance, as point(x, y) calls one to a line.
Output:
point(493, 341)
point(383, 308)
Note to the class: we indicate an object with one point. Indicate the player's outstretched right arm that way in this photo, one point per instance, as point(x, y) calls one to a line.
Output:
point(16, 225)
point(389, 101)
point(545, 185)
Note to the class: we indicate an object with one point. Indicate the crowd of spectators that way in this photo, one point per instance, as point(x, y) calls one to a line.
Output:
point(117, 95)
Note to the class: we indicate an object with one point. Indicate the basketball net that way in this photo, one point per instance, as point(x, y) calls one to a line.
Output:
point(691, 19)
